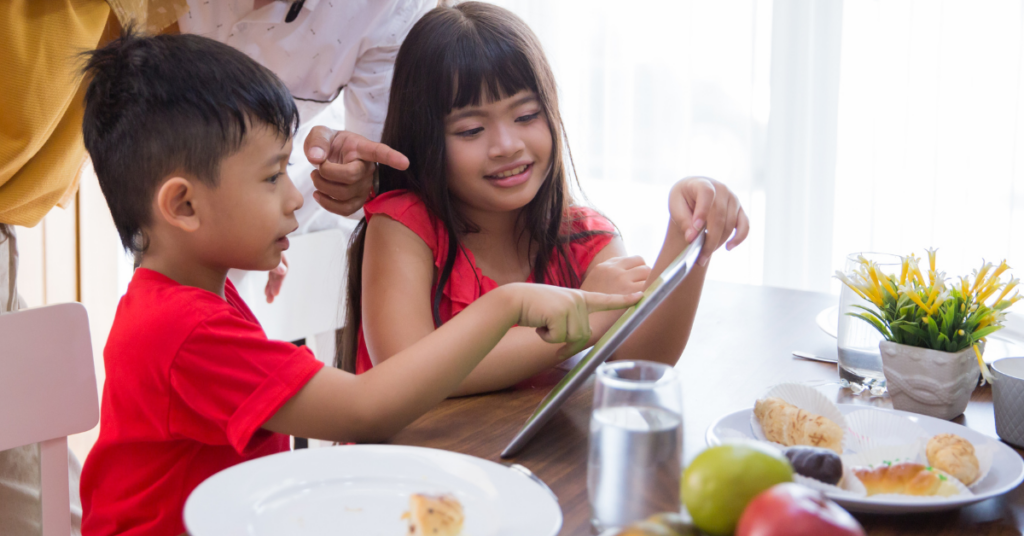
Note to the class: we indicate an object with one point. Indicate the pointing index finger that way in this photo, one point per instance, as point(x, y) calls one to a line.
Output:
point(606, 302)
point(378, 152)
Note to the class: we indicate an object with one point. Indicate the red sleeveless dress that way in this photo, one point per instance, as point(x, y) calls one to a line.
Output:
point(467, 282)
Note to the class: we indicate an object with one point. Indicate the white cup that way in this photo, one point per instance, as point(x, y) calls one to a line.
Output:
point(1008, 399)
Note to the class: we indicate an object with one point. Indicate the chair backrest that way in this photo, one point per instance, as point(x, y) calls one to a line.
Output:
point(47, 392)
point(311, 299)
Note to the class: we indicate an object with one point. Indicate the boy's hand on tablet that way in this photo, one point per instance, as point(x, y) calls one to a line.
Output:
point(562, 314)
point(696, 202)
point(345, 164)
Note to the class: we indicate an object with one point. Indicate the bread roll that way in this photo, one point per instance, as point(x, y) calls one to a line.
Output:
point(434, 515)
point(789, 425)
point(906, 479)
point(954, 455)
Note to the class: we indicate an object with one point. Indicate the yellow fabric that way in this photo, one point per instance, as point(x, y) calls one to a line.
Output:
point(151, 16)
point(41, 150)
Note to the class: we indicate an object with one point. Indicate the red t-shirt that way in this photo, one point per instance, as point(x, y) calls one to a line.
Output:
point(467, 283)
point(191, 378)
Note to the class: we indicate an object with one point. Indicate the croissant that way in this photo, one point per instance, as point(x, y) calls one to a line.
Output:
point(906, 479)
point(954, 455)
point(789, 425)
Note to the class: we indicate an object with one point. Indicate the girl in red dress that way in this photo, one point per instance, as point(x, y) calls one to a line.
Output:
point(485, 201)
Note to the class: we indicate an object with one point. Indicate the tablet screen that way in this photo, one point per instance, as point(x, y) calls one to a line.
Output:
point(665, 283)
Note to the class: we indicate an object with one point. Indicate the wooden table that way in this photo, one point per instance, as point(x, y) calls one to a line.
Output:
point(742, 343)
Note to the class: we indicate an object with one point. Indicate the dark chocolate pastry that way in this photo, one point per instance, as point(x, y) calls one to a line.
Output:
point(817, 463)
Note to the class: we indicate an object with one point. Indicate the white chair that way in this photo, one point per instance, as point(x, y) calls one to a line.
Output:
point(47, 392)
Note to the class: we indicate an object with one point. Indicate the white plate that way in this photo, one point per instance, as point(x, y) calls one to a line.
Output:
point(1007, 342)
point(1006, 474)
point(362, 490)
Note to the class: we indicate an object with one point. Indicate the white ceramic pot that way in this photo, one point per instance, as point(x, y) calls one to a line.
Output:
point(927, 381)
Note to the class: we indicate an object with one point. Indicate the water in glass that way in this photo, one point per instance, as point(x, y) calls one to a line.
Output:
point(636, 443)
point(635, 463)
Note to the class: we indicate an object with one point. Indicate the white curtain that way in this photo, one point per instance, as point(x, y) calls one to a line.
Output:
point(843, 126)
point(931, 146)
point(651, 91)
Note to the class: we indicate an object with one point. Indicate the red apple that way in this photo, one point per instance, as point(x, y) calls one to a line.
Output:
point(794, 510)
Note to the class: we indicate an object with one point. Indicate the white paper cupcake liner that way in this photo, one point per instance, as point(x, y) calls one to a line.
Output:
point(983, 452)
point(886, 455)
point(808, 399)
point(870, 429)
point(850, 487)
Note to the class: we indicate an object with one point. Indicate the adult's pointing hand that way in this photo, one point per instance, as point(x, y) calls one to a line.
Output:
point(345, 164)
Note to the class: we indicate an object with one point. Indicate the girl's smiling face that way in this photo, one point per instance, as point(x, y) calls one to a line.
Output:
point(498, 153)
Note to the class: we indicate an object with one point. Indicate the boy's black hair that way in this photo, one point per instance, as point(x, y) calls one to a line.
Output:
point(171, 104)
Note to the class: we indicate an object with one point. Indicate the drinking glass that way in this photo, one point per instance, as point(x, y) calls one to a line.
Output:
point(636, 443)
point(860, 361)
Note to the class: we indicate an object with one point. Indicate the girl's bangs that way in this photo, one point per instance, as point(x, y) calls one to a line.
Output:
point(487, 68)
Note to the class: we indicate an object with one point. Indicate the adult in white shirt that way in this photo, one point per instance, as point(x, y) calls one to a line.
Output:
point(323, 49)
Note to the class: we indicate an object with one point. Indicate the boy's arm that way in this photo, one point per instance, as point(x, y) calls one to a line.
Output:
point(338, 406)
point(521, 354)
point(397, 310)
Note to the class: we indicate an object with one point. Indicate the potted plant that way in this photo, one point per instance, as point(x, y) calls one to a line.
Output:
point(934, 329)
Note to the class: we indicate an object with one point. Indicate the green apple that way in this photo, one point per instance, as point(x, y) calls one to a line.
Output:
point(720, 482)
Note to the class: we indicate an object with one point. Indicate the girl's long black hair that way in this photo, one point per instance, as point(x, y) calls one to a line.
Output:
point(452, 58)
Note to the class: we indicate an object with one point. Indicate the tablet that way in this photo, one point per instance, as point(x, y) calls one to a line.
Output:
point(606, 346)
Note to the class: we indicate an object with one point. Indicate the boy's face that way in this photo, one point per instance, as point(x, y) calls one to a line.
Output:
point(244, 220)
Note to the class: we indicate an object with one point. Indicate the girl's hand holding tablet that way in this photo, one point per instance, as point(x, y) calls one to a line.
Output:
point(696, 202)
point(617, 275)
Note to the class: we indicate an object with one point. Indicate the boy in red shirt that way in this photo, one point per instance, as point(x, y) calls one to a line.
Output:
point(190, 139)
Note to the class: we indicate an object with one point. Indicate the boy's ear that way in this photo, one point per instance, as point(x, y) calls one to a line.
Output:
point(174, 204)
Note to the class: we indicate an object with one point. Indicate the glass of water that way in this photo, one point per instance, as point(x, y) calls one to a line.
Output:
point(860, 362)
point(636, 443)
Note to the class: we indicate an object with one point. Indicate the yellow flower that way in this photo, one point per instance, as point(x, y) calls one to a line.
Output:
point(931, 298)
point(999, 271)
point(931, 258)
point(879, 277)
point(981, 365)
point(861, 289)
point(1006, 290)
point(903, 271)
point(938, 302)
point(986, 291)
point(874, 295)
point(964, 288)
point(888, 286)
point(980, 276)
point(916, 298)
point(915, 271)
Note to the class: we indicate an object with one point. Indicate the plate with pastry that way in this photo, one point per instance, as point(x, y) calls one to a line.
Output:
point(369, 490)
point(888, 461)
